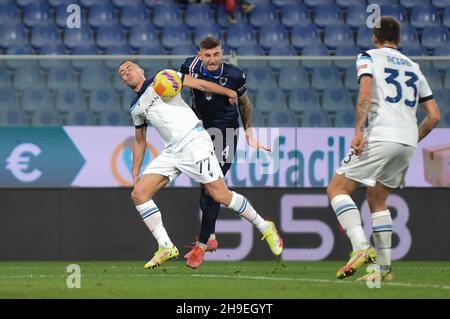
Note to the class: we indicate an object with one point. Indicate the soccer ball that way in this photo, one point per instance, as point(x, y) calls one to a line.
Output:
point(167, 83)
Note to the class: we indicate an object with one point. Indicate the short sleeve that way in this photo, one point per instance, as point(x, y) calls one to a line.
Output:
point(425, 92)
point(241, 85)
point(364, 65)
point(138, 121)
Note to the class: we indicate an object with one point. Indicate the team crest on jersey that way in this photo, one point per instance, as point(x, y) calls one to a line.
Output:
point(223, 81)
point(208, 96)
point(195, 75)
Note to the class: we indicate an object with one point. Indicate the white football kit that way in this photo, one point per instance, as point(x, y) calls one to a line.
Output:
point(188, 147)
point(398, 86)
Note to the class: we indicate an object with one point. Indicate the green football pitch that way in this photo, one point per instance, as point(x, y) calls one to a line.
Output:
point(222, 280)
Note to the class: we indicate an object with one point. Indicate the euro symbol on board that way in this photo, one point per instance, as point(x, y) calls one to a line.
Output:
point(18, 162)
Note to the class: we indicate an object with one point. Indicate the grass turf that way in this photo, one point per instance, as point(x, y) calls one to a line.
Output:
point(244, 279)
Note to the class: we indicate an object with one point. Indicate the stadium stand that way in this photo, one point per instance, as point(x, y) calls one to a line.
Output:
point(283, 92)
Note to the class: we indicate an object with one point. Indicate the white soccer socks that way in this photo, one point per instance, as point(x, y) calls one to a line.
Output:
point(382, 238)
point(241, 205)
point(349, 217)
point(152, 218)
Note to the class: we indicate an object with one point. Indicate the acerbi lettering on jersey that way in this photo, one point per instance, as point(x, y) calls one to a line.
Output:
point(398, 61)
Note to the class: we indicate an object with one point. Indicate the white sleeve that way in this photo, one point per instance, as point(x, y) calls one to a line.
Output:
point(425, 92)
point(364, 65)
point(138, 121)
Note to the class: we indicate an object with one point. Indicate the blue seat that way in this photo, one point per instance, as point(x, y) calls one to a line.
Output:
point(295, 14)
point(442, 97)
point(240, 34)
point(447, 79)
point(37, 99)
point(317, 50)
point(327, 14)
point(381, 2)
point(258, 119)
point(440, 4)
point(281, 3)
point(337, 99)
point(143, 35)
point(166, 14)
point(129, 95)
point(81, 37)
point(80, 118)
point(345, 118)
point(273, 35)
point(185, 50)
point(394, 10)
point(175, 35)
point(154, 3)
point(153, 64)
point(134, 15)
point(251, 49)
point(325, 77)
point(12, 117)
point(347, 4)
point(413, 50)
point(109, 35)
point(123, 3)
point(37, 13)
point(28, 76)
point(446, 17)
point(206, 30)
point(364, 37)
point(315, 118)
point(351, 79)
point(123, 49)
point(346, 50)
point(433, 77)
point(19, 50)
point(61, 77)
point(292, 77)
point(56, 3)
point(336, 35)
point(422, 16)
point(86, 4)
point(434, 36)
point(260, 78)
point(223, 16)
point(356, 15)
point(5, 78)
point(102, 100)
point(198, 14)
point(408, 34)
point(269, 99)
point(45, 34)
point(303, 99)
point(12, 35)
point(312, 4)
point(263, 14)
point(85, 50)
point(70, 99)
point(46, 117)
point(445, 119)
point(303, 35)
point(57, 49)
point(61, 16)
point(409, 4)
point(9, 14)
point(281, 118)
point(23, 3)
point(114, 118)
point(95, 77)
point(8, 99)
point(101, 14)
point(286, 50)
point(442, 50)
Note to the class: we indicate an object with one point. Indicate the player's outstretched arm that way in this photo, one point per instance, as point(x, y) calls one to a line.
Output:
point(139, 146)
point(246, 110)
point(208, 86)
point(362, 111)
point(431, 120)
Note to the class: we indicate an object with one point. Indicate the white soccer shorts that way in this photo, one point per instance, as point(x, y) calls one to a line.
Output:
point(195, 159)
point(384, 162)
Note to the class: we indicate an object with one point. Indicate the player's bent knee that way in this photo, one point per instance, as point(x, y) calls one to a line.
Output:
point(139, 197)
